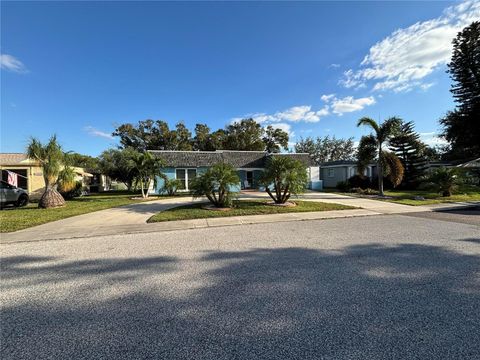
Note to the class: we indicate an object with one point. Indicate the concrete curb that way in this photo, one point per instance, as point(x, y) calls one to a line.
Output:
point(16, 237)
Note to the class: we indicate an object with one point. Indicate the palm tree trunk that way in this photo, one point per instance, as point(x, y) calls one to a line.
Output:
point(141, 185)
point(148, 188)
point(51, 198)
point(267, 189)
point(380, 171)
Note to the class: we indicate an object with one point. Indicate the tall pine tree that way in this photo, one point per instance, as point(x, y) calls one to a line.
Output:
point(408, 147)
point(462, 125)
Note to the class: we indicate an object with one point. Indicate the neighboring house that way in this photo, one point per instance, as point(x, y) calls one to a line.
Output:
point(471, 170)
point(185, 165)
point(433, 165)
point(98, 183)
point(333, 172)
point(30, 173)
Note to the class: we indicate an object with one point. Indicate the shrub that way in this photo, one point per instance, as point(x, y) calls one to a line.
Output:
point(74, 192)
point(367, 191)
point(358, 181)
point(443, 180)
point(343, 186)
point(170, 186)
point(216, 184)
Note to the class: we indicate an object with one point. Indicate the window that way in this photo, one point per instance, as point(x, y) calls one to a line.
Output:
point(191, 174)
point(181, 176)
point(186, 176)
point(331, 172)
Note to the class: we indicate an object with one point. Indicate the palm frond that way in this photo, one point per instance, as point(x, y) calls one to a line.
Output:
point(366, 121)
point(389, 128)
point(393, 167)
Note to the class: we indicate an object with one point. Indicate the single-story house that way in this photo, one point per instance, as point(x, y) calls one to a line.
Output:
point(333, 172)
point(185, 165)
point(30, 173)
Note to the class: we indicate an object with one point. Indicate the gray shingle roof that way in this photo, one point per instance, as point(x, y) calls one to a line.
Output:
point(239, 159)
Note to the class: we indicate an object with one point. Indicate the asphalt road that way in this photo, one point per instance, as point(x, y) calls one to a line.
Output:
point(380, 287)
point(464, 216)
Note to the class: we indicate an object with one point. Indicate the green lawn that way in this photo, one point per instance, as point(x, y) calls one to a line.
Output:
point(407, 197)
point(241, 208)
point(13, 219)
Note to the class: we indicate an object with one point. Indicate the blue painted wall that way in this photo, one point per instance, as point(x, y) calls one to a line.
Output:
point(170, 172)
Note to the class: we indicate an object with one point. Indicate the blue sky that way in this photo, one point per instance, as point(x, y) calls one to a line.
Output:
point(77, 69)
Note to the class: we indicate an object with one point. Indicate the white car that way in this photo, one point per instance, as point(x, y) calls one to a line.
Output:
point(12, 195)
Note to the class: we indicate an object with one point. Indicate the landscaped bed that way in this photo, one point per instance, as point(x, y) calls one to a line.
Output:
point(242, 207)
point(13, 219)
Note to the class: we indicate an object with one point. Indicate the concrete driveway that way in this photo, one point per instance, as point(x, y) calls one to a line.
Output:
point(379, 287)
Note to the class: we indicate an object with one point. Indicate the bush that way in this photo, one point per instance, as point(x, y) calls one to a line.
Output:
point(367, 191)
point(357, 181)
point(216, 184)
point(443, 180)
point(170, 186)
point(343, 186)
point(73, 193)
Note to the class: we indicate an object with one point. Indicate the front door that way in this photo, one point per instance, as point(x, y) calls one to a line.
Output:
point(249, 183)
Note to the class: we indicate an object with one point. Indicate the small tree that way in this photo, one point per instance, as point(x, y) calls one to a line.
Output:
point(119, 165)
point(216, 184)
point(147, 167)
point(52, 160)
point(287, 176)
point(170, 186)
point(443, 180)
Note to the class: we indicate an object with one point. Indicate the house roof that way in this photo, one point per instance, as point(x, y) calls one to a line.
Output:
point(339, 162)
point(238, 159)
point(15, 159)
point(475, 163)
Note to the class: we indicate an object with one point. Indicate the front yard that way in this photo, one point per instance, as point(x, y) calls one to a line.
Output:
point(407, 197)
point(13, 219)
point(242, 207)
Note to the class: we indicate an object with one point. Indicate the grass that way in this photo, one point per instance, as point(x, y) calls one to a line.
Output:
point(13, 219)
point(241, 208)
point(407, 197)
point(465, 193)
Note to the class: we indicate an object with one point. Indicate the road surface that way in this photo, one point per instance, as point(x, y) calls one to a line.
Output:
point(378, 287)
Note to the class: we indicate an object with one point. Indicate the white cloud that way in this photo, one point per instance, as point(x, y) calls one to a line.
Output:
point(347, 104)
point(293, 114)
point(327, 98)
point(403, 59)
point(95, 132)
point(9, 62)
point(432, 139)
point(334, 66)
point(285, 127)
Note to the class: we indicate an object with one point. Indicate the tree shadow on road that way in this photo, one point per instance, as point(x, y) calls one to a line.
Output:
point(360, 302)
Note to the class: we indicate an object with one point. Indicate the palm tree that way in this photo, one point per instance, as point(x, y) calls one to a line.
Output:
point(51, 159)
point(147, 167)
point(288, 176)
point(218, 184)
point(371, 146)
point(443, 180)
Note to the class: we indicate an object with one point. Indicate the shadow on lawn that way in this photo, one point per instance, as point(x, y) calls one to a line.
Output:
point(360, 302)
